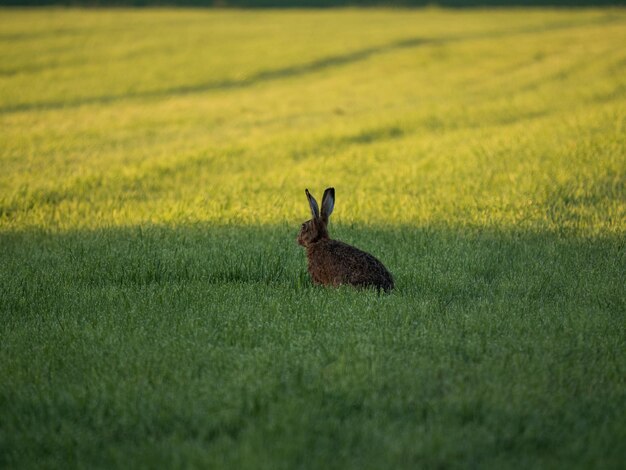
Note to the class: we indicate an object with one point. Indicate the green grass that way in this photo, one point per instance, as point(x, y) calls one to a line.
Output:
point(155, 310)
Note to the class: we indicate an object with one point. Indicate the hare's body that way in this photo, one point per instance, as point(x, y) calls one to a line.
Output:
point(331, 262)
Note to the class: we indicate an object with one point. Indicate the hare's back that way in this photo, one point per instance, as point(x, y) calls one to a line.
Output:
point(347, 264)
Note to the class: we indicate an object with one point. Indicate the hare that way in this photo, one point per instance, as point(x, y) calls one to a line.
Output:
point(332, 262)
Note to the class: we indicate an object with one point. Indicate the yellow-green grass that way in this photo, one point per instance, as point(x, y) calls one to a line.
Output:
point(155, 309)
point(114, 118)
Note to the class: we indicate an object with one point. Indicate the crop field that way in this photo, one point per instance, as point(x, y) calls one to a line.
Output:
point(156, 311)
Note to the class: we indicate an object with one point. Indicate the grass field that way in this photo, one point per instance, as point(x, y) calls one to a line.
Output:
point(155, 310)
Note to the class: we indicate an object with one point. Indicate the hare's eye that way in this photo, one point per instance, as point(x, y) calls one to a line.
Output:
point(303, 226)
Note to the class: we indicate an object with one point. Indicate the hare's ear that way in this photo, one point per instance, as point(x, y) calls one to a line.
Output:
point(315, 210)
point(328, 203)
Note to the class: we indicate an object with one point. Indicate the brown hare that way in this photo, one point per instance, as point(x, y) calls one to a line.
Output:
point(332, 262)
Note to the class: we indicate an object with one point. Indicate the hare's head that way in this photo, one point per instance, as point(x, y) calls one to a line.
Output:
point(316, 229)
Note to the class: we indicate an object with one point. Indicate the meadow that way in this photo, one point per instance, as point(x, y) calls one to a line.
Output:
point(155, 309)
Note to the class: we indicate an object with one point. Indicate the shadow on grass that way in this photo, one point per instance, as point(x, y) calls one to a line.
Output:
point(446, 266)
point(262, 76)
point(183, 344)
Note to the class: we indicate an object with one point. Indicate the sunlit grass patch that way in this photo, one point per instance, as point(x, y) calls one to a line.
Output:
point(417, 118)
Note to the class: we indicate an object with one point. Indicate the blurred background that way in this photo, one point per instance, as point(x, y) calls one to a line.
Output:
point(320, 3)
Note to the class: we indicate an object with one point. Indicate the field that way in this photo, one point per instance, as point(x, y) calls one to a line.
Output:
point(155, 310)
